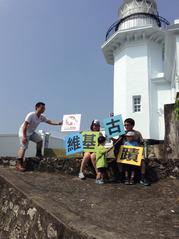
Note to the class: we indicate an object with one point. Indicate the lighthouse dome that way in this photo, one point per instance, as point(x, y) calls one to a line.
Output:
point(136, 13)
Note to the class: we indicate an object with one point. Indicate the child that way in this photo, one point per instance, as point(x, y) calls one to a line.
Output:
point(130, 141)
point(101, 162)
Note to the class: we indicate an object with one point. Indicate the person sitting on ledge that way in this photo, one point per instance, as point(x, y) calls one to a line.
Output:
point(27, 133)
point(95, 126)
point(129, 124)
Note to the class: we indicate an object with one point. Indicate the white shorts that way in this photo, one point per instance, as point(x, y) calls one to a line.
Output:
point(36, 138)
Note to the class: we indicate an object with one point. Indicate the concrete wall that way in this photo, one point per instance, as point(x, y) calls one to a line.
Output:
point(22, 218)
point(9, 144)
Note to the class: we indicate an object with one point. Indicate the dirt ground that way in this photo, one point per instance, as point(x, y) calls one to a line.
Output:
point(110, 211)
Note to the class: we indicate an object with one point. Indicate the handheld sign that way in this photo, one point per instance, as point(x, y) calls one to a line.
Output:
point(130, 155)
point(90, 141)
point(71, 122)
point(114, 126)
point(73, 144)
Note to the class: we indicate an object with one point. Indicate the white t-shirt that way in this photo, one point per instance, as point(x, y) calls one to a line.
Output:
point(33, 121)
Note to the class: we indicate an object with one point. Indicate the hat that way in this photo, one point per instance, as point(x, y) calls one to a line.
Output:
point(96, 122)
point(130, 133)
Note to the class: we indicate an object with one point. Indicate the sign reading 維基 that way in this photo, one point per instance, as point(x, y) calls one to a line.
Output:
point(114, 126)
point(90, 141)
point(71, 122)
point(73, 143)
point(130, 155)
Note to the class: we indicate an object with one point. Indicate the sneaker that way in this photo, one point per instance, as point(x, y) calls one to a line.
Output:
point(131, 181)
point(99, 181)
point(81, 175)
point(144, 182)
point(126, 181)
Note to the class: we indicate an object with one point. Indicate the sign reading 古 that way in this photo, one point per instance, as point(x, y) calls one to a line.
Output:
point(73, 143)
point(130, 155)
point(90, 141)
point(114, 126)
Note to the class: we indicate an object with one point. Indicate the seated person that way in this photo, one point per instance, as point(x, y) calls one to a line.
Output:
point(129, 124)
point(87, 157)
point(130, 141)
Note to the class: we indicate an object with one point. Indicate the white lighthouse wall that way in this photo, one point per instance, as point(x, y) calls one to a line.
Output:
point(156, 61)
point(131, 79)
point(160, 90)
point(160, 95)
point(120, 84)
point(164, 97)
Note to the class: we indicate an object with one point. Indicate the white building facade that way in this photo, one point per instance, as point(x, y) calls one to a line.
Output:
point(144, 49)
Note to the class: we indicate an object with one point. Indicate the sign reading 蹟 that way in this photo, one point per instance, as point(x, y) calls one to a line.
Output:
point(130, 155)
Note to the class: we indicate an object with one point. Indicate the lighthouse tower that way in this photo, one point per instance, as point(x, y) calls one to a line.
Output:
point(143, 47)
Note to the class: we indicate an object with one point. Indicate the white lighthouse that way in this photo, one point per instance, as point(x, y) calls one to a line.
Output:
point(144, 49)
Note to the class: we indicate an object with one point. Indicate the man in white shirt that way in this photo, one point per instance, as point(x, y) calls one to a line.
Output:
point(27, 133)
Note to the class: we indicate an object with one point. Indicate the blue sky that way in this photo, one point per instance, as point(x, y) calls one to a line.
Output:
point(50, 50)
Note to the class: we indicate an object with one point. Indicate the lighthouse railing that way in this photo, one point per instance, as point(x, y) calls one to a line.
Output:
point(160, 22)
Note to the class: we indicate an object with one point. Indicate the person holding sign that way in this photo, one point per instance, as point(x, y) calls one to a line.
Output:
point(89, 156)
point(129, 124)
point(27, 133)
point(130, 141)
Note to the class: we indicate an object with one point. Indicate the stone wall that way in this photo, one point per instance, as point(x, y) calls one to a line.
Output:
point(171, 134)
point(22, 218)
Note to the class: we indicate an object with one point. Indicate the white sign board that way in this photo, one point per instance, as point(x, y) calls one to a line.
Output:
point(71, 122)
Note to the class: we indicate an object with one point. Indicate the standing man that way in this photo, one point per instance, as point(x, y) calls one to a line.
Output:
point(27, 133)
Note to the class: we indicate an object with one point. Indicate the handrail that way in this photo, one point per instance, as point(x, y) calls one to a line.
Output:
point(114, 27)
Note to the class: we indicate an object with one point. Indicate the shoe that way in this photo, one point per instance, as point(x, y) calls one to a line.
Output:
point(126, 181)
point(145, 182)
point(19, 165)
point(81, 175)
point(99, 181)
point(131, 181)
point(39, 157)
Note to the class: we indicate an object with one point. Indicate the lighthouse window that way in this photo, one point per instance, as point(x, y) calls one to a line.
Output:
point(136, 103)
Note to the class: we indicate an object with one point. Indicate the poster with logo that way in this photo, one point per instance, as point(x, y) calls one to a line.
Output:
point(71, 122)
point(130, 155)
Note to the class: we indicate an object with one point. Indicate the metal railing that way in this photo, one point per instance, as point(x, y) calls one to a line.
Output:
point(160, 21)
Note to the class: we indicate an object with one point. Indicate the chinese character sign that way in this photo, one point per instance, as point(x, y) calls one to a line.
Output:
point(130, 155)
point(90, 141)
point(71, 122)
point(73, 143)
point(114, 126)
